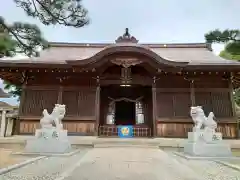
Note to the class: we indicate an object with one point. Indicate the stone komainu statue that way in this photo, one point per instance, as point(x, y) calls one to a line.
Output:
point(55, 118)
point(200, 119)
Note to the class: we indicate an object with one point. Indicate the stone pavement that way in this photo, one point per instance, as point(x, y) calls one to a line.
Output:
point(130, 164)
point(122, 164)
point(146, 164)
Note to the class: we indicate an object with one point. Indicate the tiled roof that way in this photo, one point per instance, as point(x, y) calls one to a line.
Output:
point(195, 54)
point(192, 55)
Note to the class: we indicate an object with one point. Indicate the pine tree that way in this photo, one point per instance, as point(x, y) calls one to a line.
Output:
point(224, 54)
point(26, 38)
point(7, 44)
point(230, 37)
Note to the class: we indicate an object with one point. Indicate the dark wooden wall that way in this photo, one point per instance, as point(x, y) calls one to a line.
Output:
point(177, 104)
point(80, 102)
point(80, 108)
point(174, 102)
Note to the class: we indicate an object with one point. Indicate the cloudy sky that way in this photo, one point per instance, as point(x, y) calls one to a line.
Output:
point(152, 21)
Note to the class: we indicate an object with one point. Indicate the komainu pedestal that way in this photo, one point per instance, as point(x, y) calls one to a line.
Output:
point(205, 142)
point(50, 139)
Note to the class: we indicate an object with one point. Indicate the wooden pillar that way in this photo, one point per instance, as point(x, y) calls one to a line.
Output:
point(97, 106)
point(60, 90)
point(230, 87)
point(233, 105)
point(60, 94)
point(24, 79)
point(22, 99)
point(154, 106)
point(16, 126)
point(192, 93)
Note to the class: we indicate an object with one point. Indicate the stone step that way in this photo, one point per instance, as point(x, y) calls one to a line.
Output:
point(126, 141)
point(125, 145)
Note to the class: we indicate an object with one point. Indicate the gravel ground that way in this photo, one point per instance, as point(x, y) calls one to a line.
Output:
point(45, 169)
point(236, 153)
point(7, 159)
point(209, 170)
point(234, 162)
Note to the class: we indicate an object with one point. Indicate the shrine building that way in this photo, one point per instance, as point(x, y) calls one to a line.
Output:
point(148, 86)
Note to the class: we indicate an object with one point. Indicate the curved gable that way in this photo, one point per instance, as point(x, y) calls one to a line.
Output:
point(123, 48)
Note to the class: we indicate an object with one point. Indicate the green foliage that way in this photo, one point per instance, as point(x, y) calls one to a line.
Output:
point(50, 12)
point(230, 37)
point(26, 38)
point(233, 47)
point(7, 44)
point(225, 36)
point(236, 96)
point(15, 91)
point(224, 54)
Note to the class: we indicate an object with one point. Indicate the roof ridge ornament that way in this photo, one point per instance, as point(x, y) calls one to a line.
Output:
point(126, 38)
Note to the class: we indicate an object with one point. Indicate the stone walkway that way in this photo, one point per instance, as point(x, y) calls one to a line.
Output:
point(122, 164)
point(130, 164)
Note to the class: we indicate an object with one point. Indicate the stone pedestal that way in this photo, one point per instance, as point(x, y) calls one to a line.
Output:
point(50, 140)
point(206, 144)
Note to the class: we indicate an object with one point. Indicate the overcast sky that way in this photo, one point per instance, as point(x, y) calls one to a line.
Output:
point(152, 21)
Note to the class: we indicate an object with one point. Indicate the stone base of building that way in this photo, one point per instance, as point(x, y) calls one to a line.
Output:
point(49, 141)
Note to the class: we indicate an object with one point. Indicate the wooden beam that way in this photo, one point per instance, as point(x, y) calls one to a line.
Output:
point(171, 120)
point(67, 118)
point(65, 88)
point(167, 90)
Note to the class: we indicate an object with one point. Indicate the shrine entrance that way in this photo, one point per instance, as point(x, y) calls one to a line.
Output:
point(126, 106)
point(125, 113)
point(126, 95)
